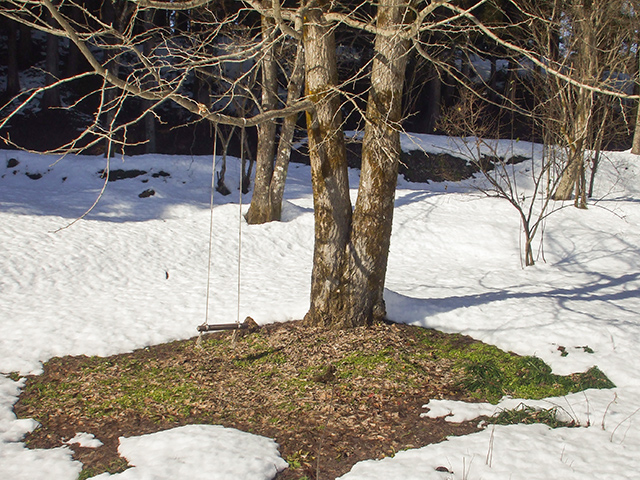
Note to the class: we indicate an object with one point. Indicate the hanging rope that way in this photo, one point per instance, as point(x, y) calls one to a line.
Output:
point(202, 328)
point(213, 188)
point(248, 323)
point(242, 134)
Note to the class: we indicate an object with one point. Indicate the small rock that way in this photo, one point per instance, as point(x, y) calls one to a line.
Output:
point(443, 469)
point(250, 324)
point(147, 193)
point(34, 176)
point(12, 163)
point(120, 174)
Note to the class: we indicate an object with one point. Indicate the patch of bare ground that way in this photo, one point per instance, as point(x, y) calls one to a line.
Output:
point(329, 398)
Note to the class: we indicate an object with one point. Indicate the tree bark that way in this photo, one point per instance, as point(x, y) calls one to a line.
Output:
point(635, 147)
point(580, 102)
point(259, 210)
point(351, 252)
point(266, 202)
point(287, 130)
point(373, 214)
point(329, 175)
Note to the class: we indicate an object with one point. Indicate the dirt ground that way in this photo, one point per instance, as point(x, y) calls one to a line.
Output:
point(329, 399)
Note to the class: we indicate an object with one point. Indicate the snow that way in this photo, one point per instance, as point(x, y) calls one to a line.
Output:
point(133, 273)
point(84, 439)
point(228, 454)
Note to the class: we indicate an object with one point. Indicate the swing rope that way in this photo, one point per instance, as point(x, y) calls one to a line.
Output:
point(206, 326)
point(213, 188)
point(242, 138)
point(203, 327)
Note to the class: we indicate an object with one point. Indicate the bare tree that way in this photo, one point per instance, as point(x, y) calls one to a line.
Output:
point(351, 249)
point(158, 76)
point(271, 174)
point(477, 141)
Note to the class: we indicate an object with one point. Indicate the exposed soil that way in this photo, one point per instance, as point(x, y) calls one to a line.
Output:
point(318, 393)
point(420, 166)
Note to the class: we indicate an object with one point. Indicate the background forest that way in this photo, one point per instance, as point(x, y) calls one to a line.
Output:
point(154, 76)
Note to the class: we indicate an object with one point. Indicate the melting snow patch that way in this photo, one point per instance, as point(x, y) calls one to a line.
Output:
point(87, 440)
point(198, 452)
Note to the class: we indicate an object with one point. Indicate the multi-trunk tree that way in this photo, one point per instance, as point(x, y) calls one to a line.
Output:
point(351, 247)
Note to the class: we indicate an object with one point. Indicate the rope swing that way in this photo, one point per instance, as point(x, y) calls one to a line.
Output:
point(248, 323)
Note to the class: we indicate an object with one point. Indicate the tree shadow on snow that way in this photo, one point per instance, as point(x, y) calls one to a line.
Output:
point(607, 289)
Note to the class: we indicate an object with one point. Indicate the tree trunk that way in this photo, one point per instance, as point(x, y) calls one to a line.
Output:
point(432, 109)
point(567, 184)
point(110, 117)
point(576, 137)
point(266, 202)
point(286, 137)
point(73, 64)
point(51, 96)
point(350, 254)
point(581, 102)
point(635, 148)
point(25, 47)
point(13, 76)
point(149, 118)
point(329, 176)
point(373, 215)
point(259, 211)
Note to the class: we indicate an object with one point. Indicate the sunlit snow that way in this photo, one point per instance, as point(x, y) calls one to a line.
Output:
point(134, 273)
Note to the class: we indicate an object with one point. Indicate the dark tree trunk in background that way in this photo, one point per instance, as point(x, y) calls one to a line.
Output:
point(25, 47)
point(432, 108)
point(51, 96)
point(149, 118)
point(73, 64)
point(13, 76)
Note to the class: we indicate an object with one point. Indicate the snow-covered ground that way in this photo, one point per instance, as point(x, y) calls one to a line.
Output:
point(134, 273)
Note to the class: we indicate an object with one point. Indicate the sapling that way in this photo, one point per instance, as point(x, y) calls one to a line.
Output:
point(472, 131)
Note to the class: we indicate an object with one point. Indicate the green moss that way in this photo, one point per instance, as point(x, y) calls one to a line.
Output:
point(489, 373)
point(529, 415)
point(116, 466)
point(197, 387)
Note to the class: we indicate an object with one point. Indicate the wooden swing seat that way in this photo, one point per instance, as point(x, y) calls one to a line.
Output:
point(249, 323)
